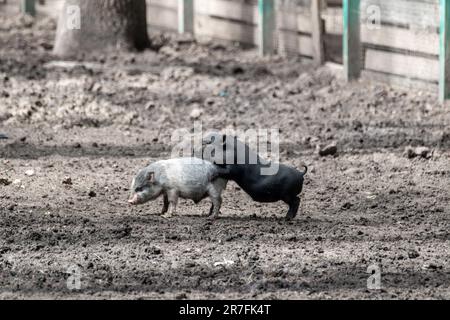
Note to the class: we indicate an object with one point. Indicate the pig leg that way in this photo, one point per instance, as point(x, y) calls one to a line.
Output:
point(172, 197)
point(293, 208)
point(215, 208)
point(166, 205)
point(216, 200)
point(211, 210)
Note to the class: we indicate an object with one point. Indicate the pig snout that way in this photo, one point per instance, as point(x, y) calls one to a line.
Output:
point(134, 200)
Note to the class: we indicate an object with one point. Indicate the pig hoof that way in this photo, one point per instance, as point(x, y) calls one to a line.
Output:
point(289, 218)
point(167, 216)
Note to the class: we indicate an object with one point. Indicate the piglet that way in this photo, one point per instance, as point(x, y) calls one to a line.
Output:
point(239, 163)
point(187, 178)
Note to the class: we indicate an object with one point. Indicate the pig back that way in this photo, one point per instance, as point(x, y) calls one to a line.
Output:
point(189, 176)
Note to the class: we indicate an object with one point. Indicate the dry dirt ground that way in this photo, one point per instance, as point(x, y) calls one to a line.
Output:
point(98, 123)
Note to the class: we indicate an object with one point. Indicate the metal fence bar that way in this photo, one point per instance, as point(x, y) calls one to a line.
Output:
point(352, 39)
point(28, 6)
point(266, 9)
point(186, 16)
point(444, 51)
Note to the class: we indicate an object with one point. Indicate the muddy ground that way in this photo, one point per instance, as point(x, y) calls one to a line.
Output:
point(98, 123)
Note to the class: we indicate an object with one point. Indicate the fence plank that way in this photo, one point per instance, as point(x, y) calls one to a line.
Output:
point(162, 18)
point(171, 4)
point(417, 13)
point(317, 32)
point(403, 65)
point(398, 81)
point(225, 30)
point(239, 11)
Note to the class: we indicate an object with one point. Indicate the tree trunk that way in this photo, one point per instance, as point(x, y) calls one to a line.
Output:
point(103, 25)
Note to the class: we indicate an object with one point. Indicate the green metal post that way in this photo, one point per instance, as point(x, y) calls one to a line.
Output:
point(186, 16)
point(444, 51)
point(266, 25)
point(28, 6)
point(352, 39)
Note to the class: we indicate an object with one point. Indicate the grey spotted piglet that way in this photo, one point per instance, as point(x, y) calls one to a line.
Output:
point(187, 178)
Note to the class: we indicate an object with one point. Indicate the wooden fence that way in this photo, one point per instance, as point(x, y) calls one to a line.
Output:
point(397, 41)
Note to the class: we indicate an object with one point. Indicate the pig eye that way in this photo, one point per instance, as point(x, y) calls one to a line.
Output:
point(139, 189)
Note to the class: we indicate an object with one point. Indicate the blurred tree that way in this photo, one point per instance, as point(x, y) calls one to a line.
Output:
point(91, 25)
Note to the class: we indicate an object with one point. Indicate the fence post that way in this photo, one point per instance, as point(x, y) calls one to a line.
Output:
point(266, 25)
point(186, 16)
point(352, 39)
point(317, 32)
point(444, 51)
point(28, 6)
